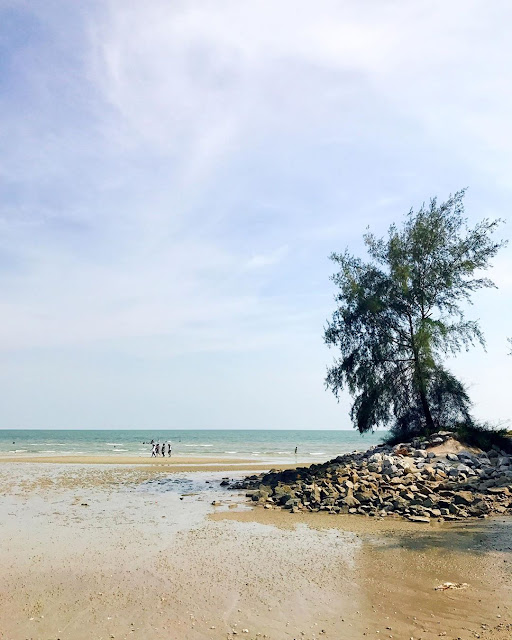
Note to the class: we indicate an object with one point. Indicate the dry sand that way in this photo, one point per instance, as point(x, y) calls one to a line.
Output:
point(99, 552)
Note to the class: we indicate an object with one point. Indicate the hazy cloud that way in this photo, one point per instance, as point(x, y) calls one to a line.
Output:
point(174, 176)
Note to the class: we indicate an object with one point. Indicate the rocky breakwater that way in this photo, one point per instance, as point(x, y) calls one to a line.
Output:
point(424, 479)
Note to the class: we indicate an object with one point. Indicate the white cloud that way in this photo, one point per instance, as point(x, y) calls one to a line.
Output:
point(175, 174)
point(267, 259)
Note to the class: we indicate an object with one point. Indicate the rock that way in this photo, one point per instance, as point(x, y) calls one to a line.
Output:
point(405, 481)
point(418, 518)
point(350, 500)
point(499, 491)
point(464, 497)
point(260, 496)
point(365, 497)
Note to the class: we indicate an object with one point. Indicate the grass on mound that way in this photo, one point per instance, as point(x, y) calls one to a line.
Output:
point(484, 436)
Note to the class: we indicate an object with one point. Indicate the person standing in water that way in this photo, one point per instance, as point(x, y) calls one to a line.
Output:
point(157, 449)
point(295, 450)
point(163, 449)
point(169, 449)
point(153, 450)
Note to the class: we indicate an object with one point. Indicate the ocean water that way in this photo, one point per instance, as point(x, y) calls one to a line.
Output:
point(257, 445)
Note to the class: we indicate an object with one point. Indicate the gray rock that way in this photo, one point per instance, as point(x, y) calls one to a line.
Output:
point(464, 468)
point(376, 483)
point(350, 500)
point(418, 518)
point(464, 497)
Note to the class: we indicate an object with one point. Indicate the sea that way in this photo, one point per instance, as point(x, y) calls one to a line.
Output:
point(271, 446)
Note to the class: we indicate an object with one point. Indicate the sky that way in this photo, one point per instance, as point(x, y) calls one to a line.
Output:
point(174, 176)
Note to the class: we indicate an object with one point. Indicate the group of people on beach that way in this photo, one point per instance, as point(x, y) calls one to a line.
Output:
point(159, 449)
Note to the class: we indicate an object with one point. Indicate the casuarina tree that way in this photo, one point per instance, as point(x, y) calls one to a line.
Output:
point(401, 312)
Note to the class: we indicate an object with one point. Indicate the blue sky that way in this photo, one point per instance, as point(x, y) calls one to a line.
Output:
point(174, 175)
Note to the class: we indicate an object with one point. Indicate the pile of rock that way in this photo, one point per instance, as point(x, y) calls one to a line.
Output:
point(408, 480)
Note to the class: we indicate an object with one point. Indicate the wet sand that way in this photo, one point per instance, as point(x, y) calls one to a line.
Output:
point(93, 552)
point(175, 463)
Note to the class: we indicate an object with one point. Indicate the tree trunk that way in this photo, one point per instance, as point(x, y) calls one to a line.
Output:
point(430, 426)
point(426, 410)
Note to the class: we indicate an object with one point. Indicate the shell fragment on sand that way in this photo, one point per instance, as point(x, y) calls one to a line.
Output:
point(452, 585)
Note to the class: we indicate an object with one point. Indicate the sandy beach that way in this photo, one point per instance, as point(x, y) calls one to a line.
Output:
point(120, 551)
point(174, 464)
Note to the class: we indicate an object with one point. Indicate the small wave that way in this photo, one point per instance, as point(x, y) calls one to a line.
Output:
point(318, 453)
point(20, 450)
point(119, 450)
point(71, 453)
point(114, 444)
point(230, 451)
point(199, 445)
point(47, 451)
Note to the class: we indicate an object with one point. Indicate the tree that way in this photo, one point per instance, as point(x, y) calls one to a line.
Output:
point(400, 313)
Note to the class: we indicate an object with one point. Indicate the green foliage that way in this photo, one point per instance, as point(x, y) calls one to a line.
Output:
point(484, 436)
point(399, 313)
